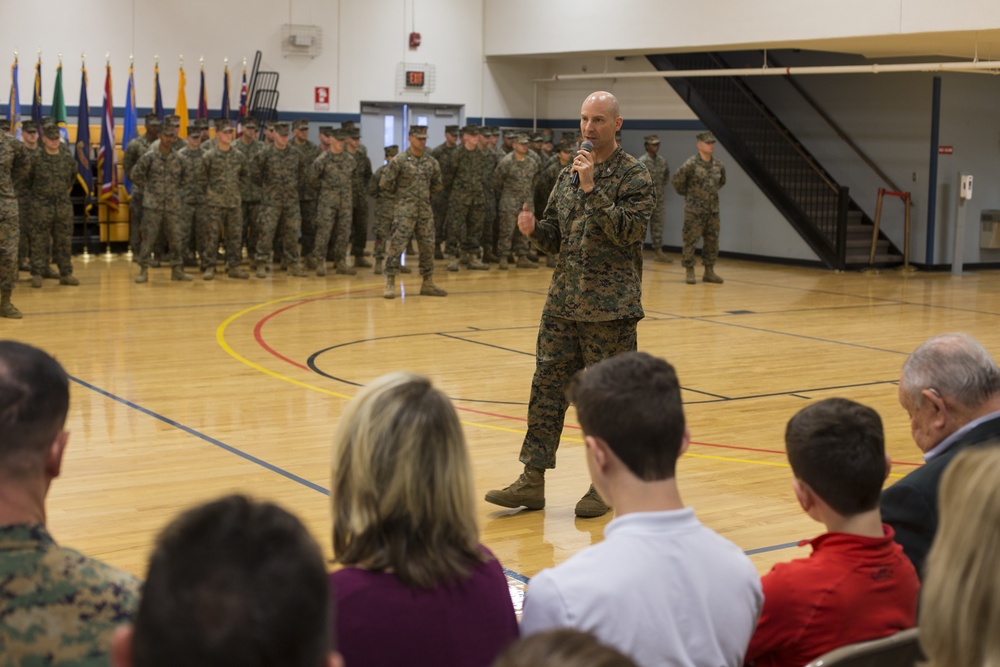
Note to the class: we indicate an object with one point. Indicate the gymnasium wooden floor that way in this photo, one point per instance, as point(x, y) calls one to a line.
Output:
point(183, 392)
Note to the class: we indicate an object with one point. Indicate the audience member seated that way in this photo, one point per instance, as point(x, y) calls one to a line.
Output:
point(950, 387)
point(661, 588)
point(232, 583)
point(562, 648)
point(857, 584)
point(960, 602)
point(57, 606)
point(417, 587)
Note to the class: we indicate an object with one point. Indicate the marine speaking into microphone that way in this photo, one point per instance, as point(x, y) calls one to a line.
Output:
point(585, 146)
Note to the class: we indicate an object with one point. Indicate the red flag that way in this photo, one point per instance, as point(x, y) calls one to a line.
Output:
point(107, 163)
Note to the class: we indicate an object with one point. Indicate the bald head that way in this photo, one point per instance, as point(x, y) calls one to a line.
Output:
point(606, 101)
point(600, 119)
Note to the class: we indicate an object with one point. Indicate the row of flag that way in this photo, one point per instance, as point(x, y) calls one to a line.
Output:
point(106, 158)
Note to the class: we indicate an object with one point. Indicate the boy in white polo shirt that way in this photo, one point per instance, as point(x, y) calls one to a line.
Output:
point(661, 587)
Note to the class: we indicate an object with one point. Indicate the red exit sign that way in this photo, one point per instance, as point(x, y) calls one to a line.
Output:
point(945, 150)
point(415, 79)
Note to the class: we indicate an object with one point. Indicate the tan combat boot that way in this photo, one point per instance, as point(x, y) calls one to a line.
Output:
point(527, 491)
point(525, 263)
point(177, 273)
point(209, 274)
point(591, 505)
point(7, 309)
point(689, 276)
point(143, 275)
point(661, 257)
point(238, 273)
point(475, 264)
point(453, 263)
point(428, 288)
point(711, 276)
point(390, 287)
point(342, 269)
point(378, 267)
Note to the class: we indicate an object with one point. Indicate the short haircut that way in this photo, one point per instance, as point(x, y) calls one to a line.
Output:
point(633, 402)
point(234, 583)
point(837, 447)
point(954, 364)
point(403, 498)
point(561, 648)
point(34, 401)
point(960, 598)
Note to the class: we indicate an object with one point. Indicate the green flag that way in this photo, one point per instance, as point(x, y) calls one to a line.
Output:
point(59, 105)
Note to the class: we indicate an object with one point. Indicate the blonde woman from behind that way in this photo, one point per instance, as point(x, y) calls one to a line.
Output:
point(417, 587)
point(960, 603)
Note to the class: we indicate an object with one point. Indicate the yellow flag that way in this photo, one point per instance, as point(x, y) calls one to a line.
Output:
point(182, 106)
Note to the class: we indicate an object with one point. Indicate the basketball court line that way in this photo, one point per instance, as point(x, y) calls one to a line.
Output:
point(285, 473)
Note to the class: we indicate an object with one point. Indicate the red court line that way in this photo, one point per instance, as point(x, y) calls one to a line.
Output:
point(258, 336)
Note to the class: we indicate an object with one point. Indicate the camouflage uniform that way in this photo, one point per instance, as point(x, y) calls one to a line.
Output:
point(491, 230)
point(594, 299)
point(699, 182)
point(467, 203)
point(225, 172)
point(514, 179)
point(160, 175)
point(193, 204)
point(359, 194)
point(411, 180)
point(279, 173)
point(659, 170)
point(439, 201)
point(14, 162)
point(250, 195)
point(334, 174)
point(135, 150)
point(308, 193)
point(385, 202)
point(23, 190)
point(50, 180)
point(57, 606)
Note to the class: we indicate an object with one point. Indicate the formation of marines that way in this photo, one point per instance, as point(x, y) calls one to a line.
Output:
point(301, 204)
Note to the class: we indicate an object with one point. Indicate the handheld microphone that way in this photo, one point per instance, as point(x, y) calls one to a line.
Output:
point(585, 146)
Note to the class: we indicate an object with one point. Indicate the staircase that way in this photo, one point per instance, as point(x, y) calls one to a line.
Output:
point(819, 208)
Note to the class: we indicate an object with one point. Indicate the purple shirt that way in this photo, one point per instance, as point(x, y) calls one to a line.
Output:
point(383, 622)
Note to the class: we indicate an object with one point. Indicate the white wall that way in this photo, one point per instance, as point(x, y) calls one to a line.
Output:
point(644, 26)
point(362, 44)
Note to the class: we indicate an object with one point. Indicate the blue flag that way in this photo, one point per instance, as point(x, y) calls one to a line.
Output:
point(157, 95)
point(85, 173)
point(224, 110)
point(130, 129)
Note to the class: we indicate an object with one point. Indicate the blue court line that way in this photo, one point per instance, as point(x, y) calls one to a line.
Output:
point(208, 439)
point(517, 576)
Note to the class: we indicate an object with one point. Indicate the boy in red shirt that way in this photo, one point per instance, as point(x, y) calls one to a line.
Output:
point(857, 584)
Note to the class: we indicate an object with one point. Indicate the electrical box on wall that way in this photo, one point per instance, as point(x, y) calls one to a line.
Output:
point(414, 40)
point(301, 40)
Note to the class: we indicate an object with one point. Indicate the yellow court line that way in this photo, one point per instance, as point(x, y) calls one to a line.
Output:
point(220, 336)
